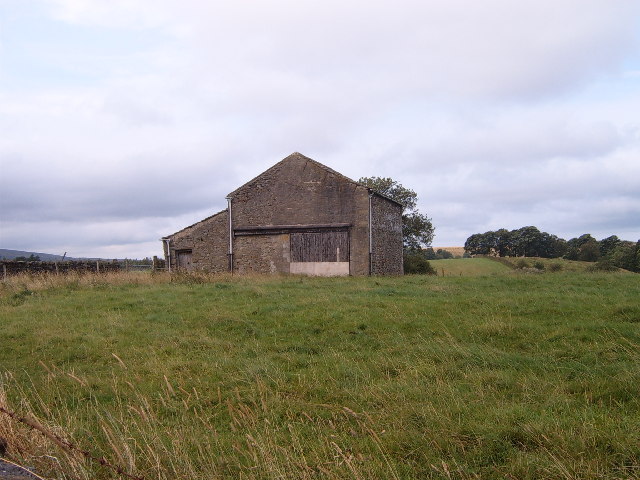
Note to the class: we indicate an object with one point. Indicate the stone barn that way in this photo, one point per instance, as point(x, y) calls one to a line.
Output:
point(300, 217)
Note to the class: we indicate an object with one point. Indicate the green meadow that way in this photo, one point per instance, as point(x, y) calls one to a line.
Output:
point(486, 375)
point(468, 267)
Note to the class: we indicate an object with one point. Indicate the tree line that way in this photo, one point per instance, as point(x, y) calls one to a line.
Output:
point(531, 242)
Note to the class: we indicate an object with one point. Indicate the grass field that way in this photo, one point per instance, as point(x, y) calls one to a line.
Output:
point(496, 266)
point(468, 267)
point(493, 376)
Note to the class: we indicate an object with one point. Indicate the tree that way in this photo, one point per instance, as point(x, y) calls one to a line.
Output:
point(443, 254)
point(429, 254)
point(30, 258)
point(479, 244)
point(553, 246)
point(503, 242)
point(626, 255)
point(609, 244)
point(585, 248)
point(525, 241)
point(417, 229)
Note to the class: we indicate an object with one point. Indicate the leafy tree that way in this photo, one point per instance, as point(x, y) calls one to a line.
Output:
point(531, 242)
point(554, 246)
point(476, 244)
point(608, 245)
point(589, 251)
point(503, 242)
point(443, 254)
point(527, 242)
point(626, 255)
point(417, 229)
point(584, 248)
point(30, 258)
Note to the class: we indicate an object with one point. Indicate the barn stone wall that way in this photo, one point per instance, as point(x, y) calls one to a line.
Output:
point(208, 241)
point(301, 192)
point(261, 254)
point(296, 195)
point(387, 237)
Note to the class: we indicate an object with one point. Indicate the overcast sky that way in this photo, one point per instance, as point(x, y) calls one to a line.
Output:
point(123, 121)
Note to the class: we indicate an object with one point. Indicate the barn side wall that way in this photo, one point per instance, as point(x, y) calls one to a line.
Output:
point(208, 241)
point(387, 237)
point(299, 193)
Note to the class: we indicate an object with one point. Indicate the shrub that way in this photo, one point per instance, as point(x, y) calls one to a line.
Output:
point(417, 264)
point(522, 263)
point(604, 265)
point(555, 267)
point(538, 265)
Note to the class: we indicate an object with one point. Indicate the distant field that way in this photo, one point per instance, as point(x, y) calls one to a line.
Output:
point(565, 265)
point(494, 266)
point(468, 266)
point(455, 251)
point(458, 377)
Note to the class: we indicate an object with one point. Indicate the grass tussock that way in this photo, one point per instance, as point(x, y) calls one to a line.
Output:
point(205, 377)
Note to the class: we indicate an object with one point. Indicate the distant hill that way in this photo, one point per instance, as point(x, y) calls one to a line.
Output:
point(8, 254)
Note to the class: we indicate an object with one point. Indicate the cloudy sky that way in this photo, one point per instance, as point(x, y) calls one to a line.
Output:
point(122, 121)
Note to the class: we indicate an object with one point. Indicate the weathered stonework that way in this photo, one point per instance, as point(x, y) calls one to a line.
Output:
point(386, 258)
point(261, 254)
point(208, 242)
point(297, 195)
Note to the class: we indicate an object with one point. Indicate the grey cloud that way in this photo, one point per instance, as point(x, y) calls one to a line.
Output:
point(161, 186)
point(476, 106)
point(499, 49)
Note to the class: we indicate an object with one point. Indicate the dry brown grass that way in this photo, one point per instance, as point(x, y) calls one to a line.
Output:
point(28, 445)
point(45, 281)
point(26, 282)
point(144, 446)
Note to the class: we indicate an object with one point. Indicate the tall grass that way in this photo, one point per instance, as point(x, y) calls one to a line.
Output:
point(287, 377)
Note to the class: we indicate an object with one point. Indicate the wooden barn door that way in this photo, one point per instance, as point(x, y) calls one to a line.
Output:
point(183, 260)
point(320, 253)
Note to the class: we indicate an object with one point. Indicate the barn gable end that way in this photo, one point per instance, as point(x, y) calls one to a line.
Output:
point(299, 216)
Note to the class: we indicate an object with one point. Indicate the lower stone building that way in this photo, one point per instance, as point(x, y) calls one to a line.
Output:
point(300, 217)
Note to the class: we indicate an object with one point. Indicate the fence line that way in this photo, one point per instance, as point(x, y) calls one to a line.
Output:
point(15, 267)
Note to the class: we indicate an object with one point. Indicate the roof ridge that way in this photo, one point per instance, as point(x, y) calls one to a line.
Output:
point(315, 162)
point(294, 154)
point(331, 170)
